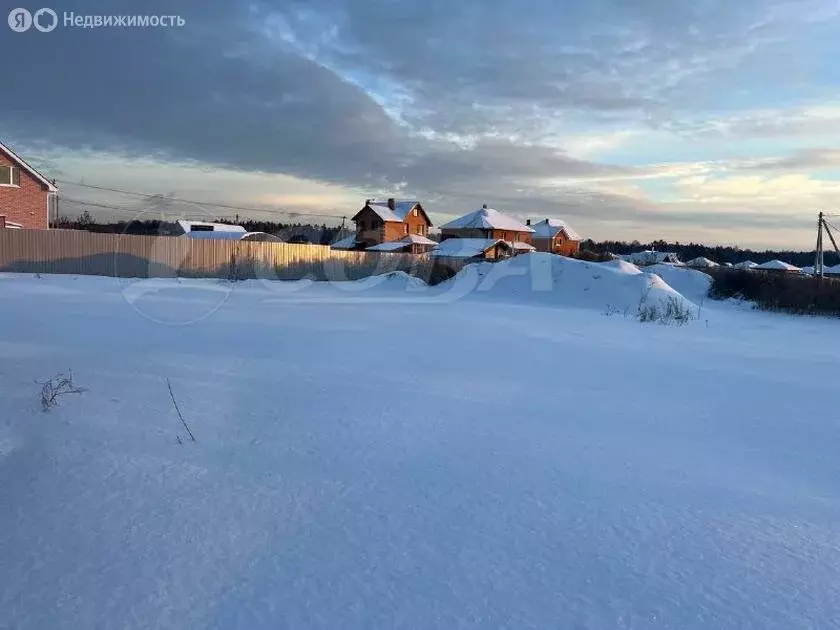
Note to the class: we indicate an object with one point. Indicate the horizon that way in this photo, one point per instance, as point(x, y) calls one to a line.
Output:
point(710, 123)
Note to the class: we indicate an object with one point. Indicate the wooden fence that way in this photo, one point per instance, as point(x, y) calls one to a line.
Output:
point(128, 256)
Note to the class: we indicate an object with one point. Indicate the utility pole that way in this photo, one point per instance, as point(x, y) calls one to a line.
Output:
point(819, 258)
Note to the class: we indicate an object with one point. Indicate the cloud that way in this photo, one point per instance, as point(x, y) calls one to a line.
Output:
point(456, 102)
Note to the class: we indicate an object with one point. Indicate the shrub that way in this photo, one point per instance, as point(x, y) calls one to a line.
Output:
point(59, 385)
point(673, 312)
point(778, 291)
point(591, 256)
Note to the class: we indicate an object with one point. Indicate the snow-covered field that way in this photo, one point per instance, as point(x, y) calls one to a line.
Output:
point(495, 452)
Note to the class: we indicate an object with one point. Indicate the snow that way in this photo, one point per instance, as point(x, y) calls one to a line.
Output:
point(495, 461)
point(557, 281)
point(747, 264)
point(348, 242)
point(549, 228)
point(464, 247)
point(777, 265)
point(690, 283)
point(701, 263)
point(418, 239)
point(487, 218)
point(411, 239)
point(521, 246)
point(650, 257)
point(401, 208)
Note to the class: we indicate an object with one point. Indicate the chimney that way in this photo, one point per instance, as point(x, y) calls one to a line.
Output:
point(367, 202)
point(484, 206)
point(527, 221)
point(391, 203)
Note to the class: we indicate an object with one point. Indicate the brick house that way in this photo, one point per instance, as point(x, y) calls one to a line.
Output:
point(555, 236)
point(387, 221)
point(27, 199)
point(487, 223)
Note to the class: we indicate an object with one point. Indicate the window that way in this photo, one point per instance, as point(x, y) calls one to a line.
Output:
point(9, 176)
point(405, 228)
point(414, 212)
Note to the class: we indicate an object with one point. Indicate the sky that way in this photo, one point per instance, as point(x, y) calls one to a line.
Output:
point(712, 121)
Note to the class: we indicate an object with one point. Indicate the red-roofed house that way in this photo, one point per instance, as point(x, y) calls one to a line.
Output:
point(27, 198)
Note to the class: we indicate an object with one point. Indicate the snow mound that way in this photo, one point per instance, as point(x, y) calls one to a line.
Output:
point(692, 284)
point(546, 279)
point(777, 265)
point(623, 266)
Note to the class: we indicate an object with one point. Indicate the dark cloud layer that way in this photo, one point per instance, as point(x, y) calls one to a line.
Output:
point(362, 93)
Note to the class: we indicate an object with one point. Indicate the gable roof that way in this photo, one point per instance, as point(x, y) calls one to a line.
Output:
point(466, 247)
point(487, 219)
point(28, 168)
point(549, 228)
point(402, 208)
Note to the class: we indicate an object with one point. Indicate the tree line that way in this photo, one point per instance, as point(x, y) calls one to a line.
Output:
point(290, 232)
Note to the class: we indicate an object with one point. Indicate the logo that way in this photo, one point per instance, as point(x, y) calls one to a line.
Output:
point(20, 20)
point(45, 20)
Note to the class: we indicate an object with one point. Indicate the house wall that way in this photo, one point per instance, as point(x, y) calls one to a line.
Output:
point(511, 235)
point(417, 225)
point(394, 231)
point(26, 204)
point(370, 228)
point(558, 245)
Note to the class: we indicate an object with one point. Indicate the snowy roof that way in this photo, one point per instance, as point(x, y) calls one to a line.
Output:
point(650, 257)
point(549, 228)
point(487, 218)
point(411, 239)
point(348, 242)
point(417, 239)
point(777, 265)
point(465, 247)
point(833, 271)
point(701, 262)
point(522, 246)
point(401, 208)
point(188, 226)
point(747, 264)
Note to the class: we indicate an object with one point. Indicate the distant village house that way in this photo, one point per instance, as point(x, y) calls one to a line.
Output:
point(556, 237)
point(488, 223)
point(389, 221)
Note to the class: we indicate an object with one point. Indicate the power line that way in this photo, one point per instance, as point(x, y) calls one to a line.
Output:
point(199, 203)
